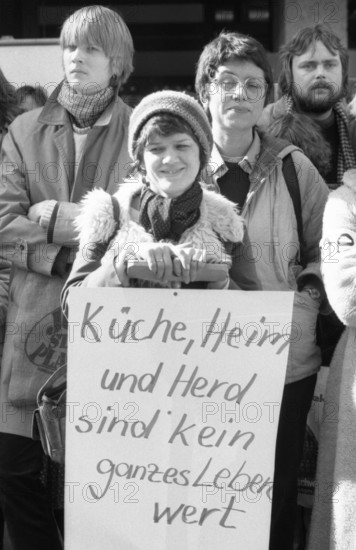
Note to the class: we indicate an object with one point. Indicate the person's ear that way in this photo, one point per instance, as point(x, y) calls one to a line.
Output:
point(116, 66)
point(114, 80)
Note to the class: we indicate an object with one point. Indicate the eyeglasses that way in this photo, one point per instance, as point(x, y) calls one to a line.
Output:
point(253, 88)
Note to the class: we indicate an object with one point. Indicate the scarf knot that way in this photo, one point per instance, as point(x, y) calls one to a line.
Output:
point(168, 218)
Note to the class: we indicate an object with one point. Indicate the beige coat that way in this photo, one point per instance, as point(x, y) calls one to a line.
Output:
point(271, 228)
point(38, 164)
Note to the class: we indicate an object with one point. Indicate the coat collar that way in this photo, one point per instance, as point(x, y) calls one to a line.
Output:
point(54, 114)
point(96, 221)
point(267, 152)
point(217, 163)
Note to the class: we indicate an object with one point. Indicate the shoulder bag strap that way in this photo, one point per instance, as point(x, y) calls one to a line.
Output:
point(291, 179)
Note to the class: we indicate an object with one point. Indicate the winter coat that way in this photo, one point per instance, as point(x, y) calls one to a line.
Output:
point(274, 251)
point(218, 223)
point(333, 524)
point(38, 164)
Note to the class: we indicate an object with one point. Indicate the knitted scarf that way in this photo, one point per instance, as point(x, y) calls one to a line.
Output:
point(346, 158)
point(85, 109)
point(168, 218)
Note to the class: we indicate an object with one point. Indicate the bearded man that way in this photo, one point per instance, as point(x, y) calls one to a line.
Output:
point(314, 81)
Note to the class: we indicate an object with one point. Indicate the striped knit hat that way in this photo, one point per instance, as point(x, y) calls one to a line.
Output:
point(175, 103)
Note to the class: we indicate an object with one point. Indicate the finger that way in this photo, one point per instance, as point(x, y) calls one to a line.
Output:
point(182, 266)
point(177, 267)
point(168, 264)
point(120, 264)
point(194, 265)
point(198, 262)
point(160, 266)
point(185, 257)
point(152, 261)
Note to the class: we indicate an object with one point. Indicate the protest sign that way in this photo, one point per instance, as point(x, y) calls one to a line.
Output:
point(173, 406)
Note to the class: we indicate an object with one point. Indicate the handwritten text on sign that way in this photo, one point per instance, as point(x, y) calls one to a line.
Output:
point(173, 405)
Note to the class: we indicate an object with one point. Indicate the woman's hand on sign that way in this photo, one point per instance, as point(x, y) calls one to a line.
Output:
point(158, 258)
point(186, 262)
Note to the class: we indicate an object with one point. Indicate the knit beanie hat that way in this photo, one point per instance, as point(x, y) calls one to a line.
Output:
point(178, 104)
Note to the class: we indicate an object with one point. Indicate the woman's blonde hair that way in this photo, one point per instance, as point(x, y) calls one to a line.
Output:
point(103, 27)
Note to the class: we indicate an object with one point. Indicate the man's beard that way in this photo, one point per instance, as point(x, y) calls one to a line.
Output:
point(312, 102)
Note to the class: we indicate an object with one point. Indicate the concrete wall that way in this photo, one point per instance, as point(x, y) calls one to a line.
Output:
point(31, 62)
point(290, 16)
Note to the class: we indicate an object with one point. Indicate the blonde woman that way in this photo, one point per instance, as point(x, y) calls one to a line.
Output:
point(51, 158)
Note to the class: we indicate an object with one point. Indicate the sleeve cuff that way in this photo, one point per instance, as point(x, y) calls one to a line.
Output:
point(52, 223)
point(46, 216)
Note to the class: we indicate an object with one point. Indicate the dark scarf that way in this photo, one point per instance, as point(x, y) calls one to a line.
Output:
point(85, 109)
point(346, 158)
point(169, 218)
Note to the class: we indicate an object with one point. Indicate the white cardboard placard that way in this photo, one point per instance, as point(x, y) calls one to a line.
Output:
point(172, 413)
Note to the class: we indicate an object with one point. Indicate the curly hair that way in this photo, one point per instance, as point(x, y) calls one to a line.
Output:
point(298, 45)
point(302, 131)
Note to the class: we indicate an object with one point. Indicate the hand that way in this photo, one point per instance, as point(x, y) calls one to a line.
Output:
point(37, 210)
point(61, 266)
point(314, 286)
point(159, 257)
point(120, 266)
point(313, 293)
point(186, 261)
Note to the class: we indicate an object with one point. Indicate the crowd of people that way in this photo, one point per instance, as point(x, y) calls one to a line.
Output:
point(231, 166)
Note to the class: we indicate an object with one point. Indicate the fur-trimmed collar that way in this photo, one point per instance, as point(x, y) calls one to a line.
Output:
point(96, 221)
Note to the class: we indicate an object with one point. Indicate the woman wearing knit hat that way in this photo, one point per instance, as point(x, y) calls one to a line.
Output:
point(161, 214)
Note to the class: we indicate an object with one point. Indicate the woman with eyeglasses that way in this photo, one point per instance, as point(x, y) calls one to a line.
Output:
point(234, 83)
